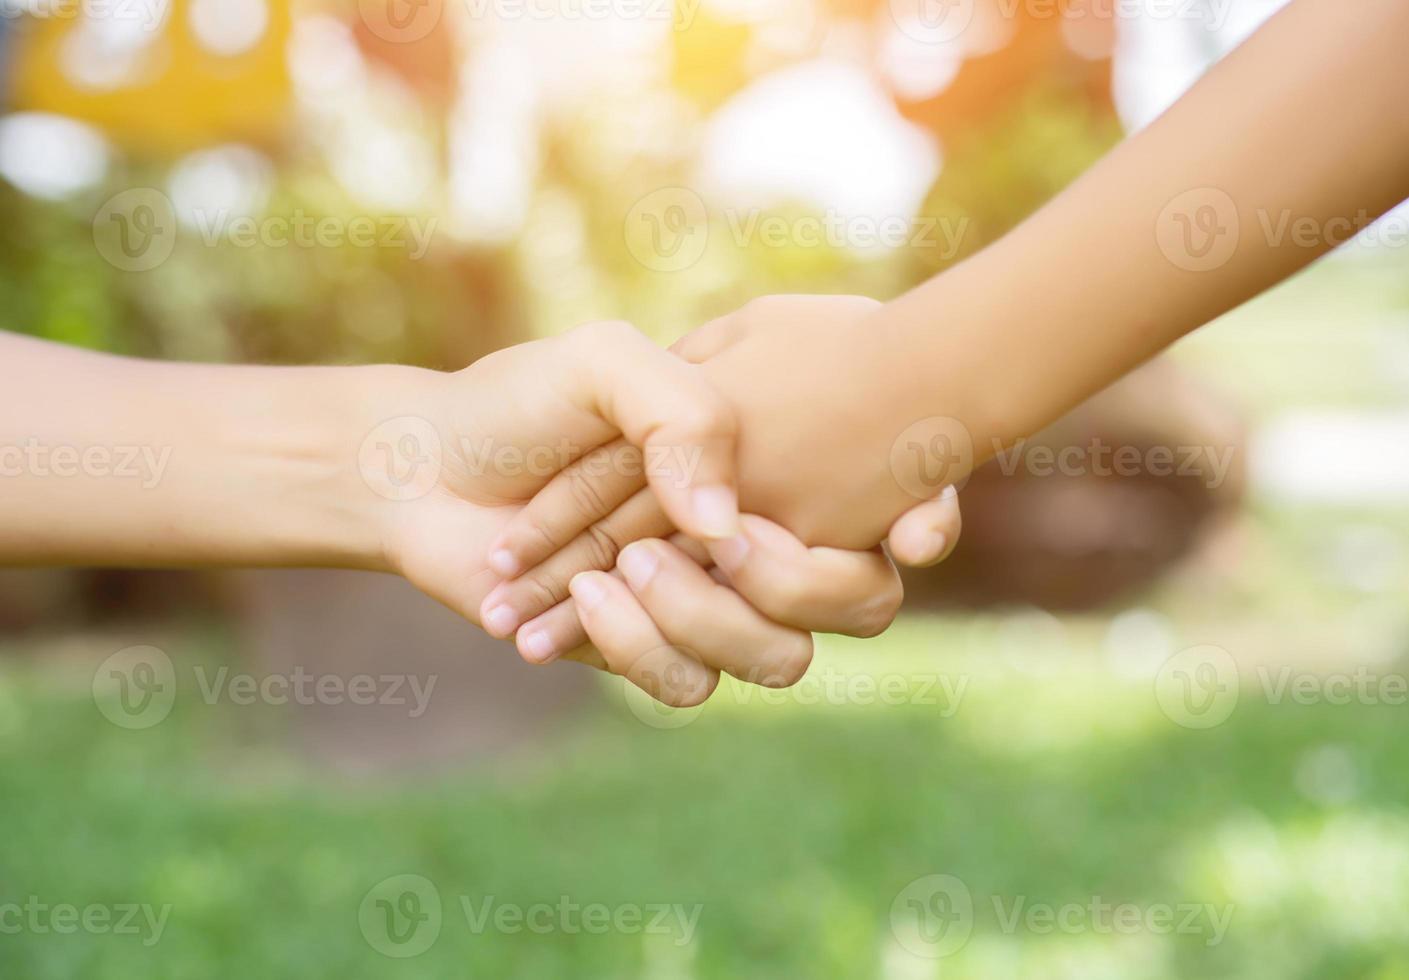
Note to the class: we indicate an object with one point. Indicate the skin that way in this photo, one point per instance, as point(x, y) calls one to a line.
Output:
point(1175, 227)
point(114, 461)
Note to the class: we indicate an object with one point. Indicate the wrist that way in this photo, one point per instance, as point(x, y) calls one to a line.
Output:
point(964, 349)
point(321, 503)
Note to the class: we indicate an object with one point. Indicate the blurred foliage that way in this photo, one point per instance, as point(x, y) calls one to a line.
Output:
point(291, 305)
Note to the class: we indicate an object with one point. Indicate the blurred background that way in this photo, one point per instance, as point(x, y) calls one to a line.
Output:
point(1145, 723)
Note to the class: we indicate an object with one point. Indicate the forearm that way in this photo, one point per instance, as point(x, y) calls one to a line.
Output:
point(1303, 128)
point(111, 461)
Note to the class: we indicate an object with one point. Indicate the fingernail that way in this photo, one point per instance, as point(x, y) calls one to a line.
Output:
point(717, 510)
point(730, 553)
point(948, 493)
point(503, 562)
point(587, 590)
point(639, 563)
point(501, 620)
point(539, 647)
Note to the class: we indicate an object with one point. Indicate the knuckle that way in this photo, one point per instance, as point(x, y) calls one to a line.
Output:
point(783, 598)
point(761, 307)
point(709, 415)
point(586, 494)
point(874, 616)
point(538, 536)
point(789, 661)
point(604, 332)
point(864, 304)
point(545, 592)
point(601, 546)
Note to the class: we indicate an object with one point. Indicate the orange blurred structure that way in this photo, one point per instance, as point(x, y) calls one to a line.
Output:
point(205, 71)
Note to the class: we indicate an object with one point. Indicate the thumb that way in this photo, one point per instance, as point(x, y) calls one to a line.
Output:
point(927, 533)
point(686, 430)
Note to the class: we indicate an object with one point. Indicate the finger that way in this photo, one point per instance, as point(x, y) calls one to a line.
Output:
point(634, 648)
point(584, 492)
point(825, 590)
point(685, 428)
point(714, 622)
point(558, 633)
point(515, 602)
point(927, 533)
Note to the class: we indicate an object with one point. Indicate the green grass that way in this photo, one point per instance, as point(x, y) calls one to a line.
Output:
point(793, 825)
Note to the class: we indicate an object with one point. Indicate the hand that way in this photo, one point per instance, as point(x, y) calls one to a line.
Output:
point(490, 422)
point(592, 510)
point(751, 616)
point(486, 439)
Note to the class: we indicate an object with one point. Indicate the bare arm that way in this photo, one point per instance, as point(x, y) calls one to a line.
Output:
point(106, 460)
point(1283, 151)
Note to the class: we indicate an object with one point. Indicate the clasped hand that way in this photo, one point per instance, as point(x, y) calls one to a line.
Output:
point(636, 544)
